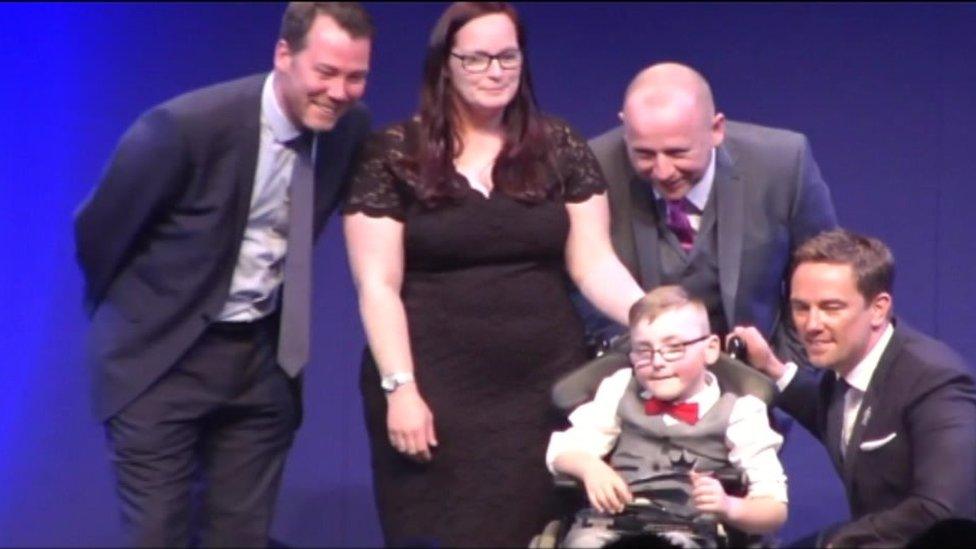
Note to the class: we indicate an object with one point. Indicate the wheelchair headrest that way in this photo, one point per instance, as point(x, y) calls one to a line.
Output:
point(579, 386)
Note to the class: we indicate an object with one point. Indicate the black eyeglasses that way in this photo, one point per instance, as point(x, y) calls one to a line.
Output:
point(480, 61)
point(669, 353)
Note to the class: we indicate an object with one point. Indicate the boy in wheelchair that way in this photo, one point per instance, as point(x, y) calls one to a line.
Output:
point(672, 435)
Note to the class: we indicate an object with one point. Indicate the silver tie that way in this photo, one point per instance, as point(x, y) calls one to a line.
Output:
point(296, 304)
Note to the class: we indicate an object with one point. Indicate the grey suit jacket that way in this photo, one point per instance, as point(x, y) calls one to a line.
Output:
point(911, 457)
point(770, 198)
point(158, 238)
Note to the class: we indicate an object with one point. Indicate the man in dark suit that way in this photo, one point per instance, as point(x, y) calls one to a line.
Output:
point(895, 408)
point(713, 206)
point(196, 253)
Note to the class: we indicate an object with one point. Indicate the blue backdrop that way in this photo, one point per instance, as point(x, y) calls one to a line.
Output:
point(884, 92)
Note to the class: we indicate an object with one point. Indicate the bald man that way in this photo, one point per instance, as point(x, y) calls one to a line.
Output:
point(715, 206)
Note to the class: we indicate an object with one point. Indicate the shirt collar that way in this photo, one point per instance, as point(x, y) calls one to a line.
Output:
point(274, 116)
point(860, 376)
point(705, 398)
point(698, 195)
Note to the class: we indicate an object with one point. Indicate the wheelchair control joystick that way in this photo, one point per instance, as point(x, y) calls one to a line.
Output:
point(736, 348)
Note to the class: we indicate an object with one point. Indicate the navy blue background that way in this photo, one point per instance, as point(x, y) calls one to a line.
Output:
point(884, 92)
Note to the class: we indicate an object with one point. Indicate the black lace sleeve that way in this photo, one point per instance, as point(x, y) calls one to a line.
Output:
point(575, 162)
point(375, 188)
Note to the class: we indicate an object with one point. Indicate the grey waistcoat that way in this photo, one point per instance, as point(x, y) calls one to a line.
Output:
point(652, 456)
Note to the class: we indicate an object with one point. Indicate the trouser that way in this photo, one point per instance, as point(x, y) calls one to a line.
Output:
point(198, 457)
point(592, 529)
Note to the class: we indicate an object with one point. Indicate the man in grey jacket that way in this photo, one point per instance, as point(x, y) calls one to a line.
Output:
point(715, 206)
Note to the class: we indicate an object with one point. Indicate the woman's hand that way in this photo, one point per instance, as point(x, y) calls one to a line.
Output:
point(410, 424)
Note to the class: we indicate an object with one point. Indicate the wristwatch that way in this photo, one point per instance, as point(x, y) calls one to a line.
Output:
point(391, 382)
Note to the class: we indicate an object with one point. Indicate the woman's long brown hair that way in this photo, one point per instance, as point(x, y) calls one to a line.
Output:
point(523, 167)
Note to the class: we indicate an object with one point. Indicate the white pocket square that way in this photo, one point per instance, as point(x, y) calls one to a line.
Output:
point(869, 445)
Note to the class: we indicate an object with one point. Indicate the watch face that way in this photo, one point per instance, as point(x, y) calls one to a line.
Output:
point(392, 381)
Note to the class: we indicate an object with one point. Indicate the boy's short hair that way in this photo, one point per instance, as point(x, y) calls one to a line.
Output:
point(661, 300)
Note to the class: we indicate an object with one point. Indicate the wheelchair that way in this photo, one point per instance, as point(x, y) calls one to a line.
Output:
point(652, 520)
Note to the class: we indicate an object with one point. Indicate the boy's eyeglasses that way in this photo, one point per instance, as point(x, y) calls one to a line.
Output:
point(669, 353)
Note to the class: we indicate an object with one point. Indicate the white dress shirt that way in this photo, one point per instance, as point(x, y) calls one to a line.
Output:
point(858, 379)
point(254, 288)
point(752, 443)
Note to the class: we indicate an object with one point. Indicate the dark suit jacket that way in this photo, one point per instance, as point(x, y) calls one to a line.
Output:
point(770, 198)
point(923, 393)
point(158, 239)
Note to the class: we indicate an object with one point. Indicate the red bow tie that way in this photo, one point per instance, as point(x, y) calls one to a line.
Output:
point(684, 411)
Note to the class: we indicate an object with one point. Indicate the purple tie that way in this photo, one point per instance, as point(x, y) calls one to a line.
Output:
point(677, 211)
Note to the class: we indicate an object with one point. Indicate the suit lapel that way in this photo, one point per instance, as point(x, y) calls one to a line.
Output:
point(731, 224)
point(249, 140)
point(619, 173)
point(328, 154)
point(646, 239)
point(865, 415)
point(622, 232)
point(334, 152)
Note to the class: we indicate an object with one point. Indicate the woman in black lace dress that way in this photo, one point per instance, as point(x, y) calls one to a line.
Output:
point(462, 224)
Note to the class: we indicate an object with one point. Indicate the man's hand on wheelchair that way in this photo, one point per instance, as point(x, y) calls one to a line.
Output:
point(758, 353)
point(606, 490)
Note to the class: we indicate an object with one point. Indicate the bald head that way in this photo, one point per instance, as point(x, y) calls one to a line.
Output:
point(671, 127)
point(671, 87)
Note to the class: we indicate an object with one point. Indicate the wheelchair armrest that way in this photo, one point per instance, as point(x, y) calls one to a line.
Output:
point(580, 385)
point(565, 481)
point(733, 481)
point(737, 377)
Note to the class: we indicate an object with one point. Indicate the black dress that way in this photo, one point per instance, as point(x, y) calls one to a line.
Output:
point(491, 328)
